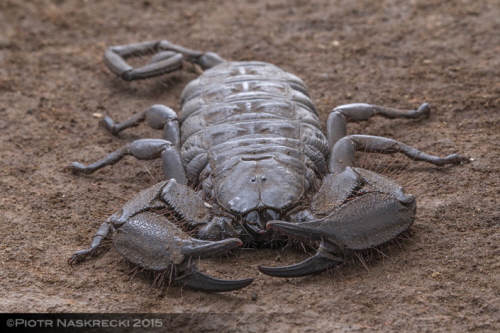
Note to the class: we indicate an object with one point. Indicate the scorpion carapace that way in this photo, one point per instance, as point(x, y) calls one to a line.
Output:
point(246, 161)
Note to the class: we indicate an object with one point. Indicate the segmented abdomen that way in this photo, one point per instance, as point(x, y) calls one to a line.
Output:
point(240, 108)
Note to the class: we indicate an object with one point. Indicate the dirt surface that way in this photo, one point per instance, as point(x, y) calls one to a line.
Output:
point(53, 85)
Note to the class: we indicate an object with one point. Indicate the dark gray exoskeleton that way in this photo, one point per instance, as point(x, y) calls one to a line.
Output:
point(249, 137)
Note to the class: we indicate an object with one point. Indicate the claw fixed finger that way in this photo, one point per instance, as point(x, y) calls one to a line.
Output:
point(194, 279)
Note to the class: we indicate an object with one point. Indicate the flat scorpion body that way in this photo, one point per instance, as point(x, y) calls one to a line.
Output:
point(246, 161)
point(253, 119)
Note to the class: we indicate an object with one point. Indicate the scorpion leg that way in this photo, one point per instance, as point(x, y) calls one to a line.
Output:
point(362, 209)
point(145, 149)
point(101, 234)
point(167, 58)
point(144, 233)
point(336, 123)
point(342, 154)
point(157, 116)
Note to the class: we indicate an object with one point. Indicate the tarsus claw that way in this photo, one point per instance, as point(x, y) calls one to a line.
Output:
point(75, 167)
point(81, 255)
point(456, 159)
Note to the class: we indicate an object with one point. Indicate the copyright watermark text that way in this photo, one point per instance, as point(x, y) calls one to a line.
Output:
point(90, 322)
point(83, 323)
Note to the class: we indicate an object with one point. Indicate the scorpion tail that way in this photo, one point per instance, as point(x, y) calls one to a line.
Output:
point(167, 58)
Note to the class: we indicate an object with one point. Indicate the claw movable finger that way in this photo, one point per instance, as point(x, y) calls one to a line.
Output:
point(194, 279)
point(315, 264)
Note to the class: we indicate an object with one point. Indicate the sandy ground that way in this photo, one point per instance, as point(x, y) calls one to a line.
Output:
point(394, 53)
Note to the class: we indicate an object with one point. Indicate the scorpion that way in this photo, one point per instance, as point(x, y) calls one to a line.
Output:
point(247, 162)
